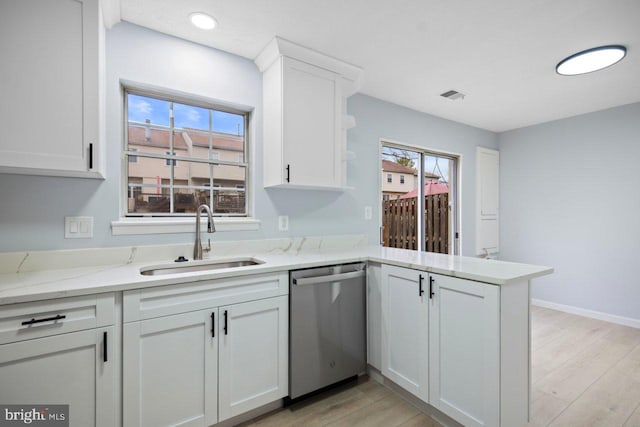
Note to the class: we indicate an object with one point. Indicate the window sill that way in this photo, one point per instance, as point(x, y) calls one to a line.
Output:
point(128, 226)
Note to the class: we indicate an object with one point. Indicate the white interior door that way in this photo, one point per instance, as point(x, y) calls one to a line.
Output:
point(253, 354)
point(170, 371)
point(405, 329)
point(464, 350)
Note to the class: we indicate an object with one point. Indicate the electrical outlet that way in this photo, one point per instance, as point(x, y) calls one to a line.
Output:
point(283, 223)
point(78, 227)
point(368, 213)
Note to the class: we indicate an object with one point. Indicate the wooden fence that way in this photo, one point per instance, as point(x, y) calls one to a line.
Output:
point(400, 223)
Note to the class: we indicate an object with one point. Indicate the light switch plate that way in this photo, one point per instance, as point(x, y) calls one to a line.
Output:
point(283, 223)
point(78, 227)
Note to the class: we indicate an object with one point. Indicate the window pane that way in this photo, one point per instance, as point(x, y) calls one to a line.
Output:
point(187, 200)
point(148, 199)
point(190, 117)
point(142, 109)
point(148, 170)
point(400, 198)
point(230, 148)
point(196, 143)
point(228, 123)
point(229, 197)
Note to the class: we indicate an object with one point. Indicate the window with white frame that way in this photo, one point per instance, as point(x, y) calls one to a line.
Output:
point(186, 153)
point(389, 178)
point(401, 179)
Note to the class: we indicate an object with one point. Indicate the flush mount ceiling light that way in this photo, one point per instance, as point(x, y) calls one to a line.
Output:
point(203, 21)
point(591, 60)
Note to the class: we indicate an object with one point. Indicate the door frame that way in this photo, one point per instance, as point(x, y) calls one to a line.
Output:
point(456, 186)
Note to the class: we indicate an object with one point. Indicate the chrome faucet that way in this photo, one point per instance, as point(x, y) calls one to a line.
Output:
point(211, 228)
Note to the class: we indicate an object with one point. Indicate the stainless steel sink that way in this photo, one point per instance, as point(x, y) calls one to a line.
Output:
point(189, 267)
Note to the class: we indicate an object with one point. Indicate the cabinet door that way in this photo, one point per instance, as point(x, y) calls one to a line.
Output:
point(253, 354)
point(311, 125)
point(170, 370)
point(50, 93)
point(464, 350)
point(68, 369)
point(405, 327)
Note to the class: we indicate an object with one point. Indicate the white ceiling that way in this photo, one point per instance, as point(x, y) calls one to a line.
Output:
point(500, 53)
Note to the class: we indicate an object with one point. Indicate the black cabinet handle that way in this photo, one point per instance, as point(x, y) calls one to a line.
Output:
point(90, 156)
point(431, 293)
point(104, 346)
point(420, 290)
point(288, 172)
point(225, 322)
point(46, 319)
point(213, 324)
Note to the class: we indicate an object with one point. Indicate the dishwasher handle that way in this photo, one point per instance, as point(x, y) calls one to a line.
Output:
point(328, 279)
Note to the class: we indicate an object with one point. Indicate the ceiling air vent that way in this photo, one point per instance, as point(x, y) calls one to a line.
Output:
point(453, 95)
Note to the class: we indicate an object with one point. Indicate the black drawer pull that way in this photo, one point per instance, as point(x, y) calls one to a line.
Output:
point(104, 346)
point(225, 322)
point(431, 293)
point(46, 319)
point(213, 324)
point(420, 290)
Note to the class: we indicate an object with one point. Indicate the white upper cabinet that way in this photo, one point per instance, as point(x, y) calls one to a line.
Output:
point(487, 201)
point(305, 120)
point(50, 112)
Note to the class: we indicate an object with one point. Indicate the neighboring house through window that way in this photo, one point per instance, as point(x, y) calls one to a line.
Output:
point(401, 179)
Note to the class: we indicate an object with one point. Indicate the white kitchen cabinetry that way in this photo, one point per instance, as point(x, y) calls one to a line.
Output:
point(198, 353)
point(253, 355)
point(61, 352)
point(170, 370)
point(305, 118)
point(51, 113)
point(405, 329)
point(464, 350)
point(462, 346)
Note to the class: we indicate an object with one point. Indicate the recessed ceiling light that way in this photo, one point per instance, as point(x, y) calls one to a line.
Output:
point(203, 21)
point(591, 60)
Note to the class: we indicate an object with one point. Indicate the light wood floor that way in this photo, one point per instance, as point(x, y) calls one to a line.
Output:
point(585, 373)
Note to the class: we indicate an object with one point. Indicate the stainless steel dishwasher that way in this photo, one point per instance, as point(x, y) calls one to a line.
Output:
point(327, 318)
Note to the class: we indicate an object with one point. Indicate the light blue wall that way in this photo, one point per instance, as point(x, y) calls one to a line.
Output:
point(33, 208)
point(570, 199)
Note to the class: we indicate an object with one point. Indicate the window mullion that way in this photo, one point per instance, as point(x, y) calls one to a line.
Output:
point(171, 162)
point(211, 193)
point(420, 206)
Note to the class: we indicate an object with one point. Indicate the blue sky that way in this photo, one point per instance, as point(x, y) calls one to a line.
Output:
point(142, 108)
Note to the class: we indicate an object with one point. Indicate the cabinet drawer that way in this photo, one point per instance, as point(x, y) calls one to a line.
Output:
point(30, 320)
point(160, 301)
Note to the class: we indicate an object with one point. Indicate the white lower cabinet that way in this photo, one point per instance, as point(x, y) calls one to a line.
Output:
point(170, 371)
point(74, 369)
point(200, 367)
point(405, 329)
point(461, 346)
point(253, 355)
point(464, 350)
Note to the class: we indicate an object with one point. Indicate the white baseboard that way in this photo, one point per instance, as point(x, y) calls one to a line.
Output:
point(620, 320)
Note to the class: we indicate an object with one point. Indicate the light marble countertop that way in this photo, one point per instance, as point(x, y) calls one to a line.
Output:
point(120, 270)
